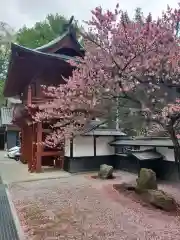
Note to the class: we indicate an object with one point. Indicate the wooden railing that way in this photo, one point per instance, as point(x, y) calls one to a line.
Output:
point(37, 100)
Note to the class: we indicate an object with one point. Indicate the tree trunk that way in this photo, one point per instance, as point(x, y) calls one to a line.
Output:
point(117, 114)
point(176, 147)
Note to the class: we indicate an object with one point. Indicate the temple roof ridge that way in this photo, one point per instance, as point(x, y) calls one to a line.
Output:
point(69, 30)
point(16, 48)
point(50, 62)
point(54, 41)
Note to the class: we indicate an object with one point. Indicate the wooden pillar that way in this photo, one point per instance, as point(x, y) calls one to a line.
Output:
point(30, 145)
point(34, 135)
point(23, 145)
point(29, 95)
point(39, 148)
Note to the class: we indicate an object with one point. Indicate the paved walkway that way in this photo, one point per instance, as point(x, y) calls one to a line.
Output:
point(12, 171)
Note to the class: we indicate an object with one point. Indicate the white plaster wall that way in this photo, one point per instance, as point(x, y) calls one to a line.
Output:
point(102, 146)
point(166, 152)
point(84, 146)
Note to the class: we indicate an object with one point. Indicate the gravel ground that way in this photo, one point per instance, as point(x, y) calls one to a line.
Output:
point(80, 208)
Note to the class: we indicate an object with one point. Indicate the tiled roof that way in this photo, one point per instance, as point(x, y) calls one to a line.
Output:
point(147, 155)
point(96, 128)
point(6, 115)
point(105, 132)
point(145, 142)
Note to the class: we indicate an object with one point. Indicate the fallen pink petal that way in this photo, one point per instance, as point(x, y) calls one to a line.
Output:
point(83, 208)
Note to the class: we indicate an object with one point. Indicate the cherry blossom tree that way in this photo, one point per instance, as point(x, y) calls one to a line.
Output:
point(125, 59)
point(144, 58)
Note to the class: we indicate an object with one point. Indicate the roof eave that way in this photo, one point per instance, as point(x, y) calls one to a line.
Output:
point(18, 52)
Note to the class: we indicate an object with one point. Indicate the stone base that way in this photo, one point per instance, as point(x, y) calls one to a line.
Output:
point(85, 164)
point(165, 170)
point(169, 171)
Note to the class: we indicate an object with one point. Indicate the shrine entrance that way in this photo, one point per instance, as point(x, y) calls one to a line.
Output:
point(47, 65)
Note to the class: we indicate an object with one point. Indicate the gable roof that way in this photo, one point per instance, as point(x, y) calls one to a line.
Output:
point(25, 64)
point(99, 128)
point(49, 62)
point(105, 132)
point(67, 40)
point(161, 142)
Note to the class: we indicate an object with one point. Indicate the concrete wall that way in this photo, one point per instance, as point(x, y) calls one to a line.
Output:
point(83, 146)
point(167, 153)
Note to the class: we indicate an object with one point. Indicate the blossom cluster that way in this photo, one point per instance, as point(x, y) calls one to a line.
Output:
point(121, 56)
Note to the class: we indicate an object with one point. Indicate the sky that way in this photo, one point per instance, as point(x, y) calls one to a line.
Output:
point(26, 12)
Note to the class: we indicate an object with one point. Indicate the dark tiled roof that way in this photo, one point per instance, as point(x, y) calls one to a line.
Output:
point(96, 128)
point(36, 62)
point(147, 155)
point(143, 142)
point(105, 132)
point(45, 48)
point(6, 116)
point(34, 52)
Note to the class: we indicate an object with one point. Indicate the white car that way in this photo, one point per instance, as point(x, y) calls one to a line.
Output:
point(14, 149)
point(13, 152)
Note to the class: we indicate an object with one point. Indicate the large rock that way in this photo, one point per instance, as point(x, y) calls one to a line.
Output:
point(146, 180)
point(160, 200)
point(105, 171)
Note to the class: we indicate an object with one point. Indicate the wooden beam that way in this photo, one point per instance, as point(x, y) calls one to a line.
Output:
point(51, 153)
point(39, 148)
point(29, 95)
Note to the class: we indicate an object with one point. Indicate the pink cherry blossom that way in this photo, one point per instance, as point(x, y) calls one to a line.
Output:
point(121, 58)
